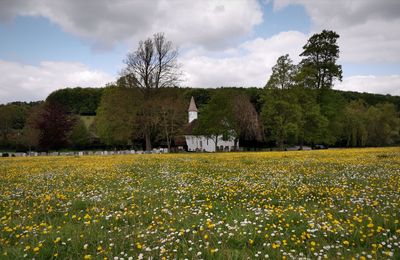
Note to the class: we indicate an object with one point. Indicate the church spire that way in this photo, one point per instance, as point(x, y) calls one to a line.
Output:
point(192, 110)
point(192, 106)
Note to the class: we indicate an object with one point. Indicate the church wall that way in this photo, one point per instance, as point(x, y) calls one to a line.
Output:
point(201, 143)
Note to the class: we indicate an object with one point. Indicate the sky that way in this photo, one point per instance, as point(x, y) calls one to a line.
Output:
point(51, 44)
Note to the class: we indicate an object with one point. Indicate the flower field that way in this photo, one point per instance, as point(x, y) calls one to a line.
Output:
point(308, 204)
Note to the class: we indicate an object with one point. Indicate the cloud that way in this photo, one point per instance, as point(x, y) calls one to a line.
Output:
point(21, 82)
point(211, 24)
point(209, 32)
point(247, 65)
point(372, 84)
point(369, 30)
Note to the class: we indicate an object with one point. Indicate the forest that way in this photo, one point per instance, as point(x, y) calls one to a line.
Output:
point(146, 108)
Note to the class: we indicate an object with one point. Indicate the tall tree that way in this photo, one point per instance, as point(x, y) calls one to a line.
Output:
point(79, 135)
point(172, 114)
point(313, 126)
point(230, 115)
point(117, 114)
point(31, 133)
point(319, 68)
point(281, 115)
point(55, 125)
point(383, 125)
point(215, 120)
point(356, 133)
point(246, 122)
point(283, 73)
point(12, 120)
point(152, 66)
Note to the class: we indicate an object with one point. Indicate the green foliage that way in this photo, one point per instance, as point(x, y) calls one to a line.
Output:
point(82, 101)
point(283, 73)
point(13, 118)
point(54, 125)
point(313, 126)
point(80, 136)
point(172, 114)
point(355, 129)
point(374, 126)
point(216, 118)
point(116, 115)
point(319, 69)
point(281, 116)
point(383, 125)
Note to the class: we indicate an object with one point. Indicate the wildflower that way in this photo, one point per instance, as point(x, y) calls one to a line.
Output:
point(214, 250)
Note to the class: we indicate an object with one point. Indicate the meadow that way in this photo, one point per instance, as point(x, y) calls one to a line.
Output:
point(338, 204)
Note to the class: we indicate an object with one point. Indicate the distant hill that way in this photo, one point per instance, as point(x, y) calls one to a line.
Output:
point(84, 101)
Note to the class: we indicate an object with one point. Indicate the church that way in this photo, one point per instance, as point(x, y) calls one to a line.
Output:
point(201, 143)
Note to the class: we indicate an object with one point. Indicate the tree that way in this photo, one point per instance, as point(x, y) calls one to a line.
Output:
point(230, 114)
point(319, 68)
point(172, 114)
point(216, 119)
point(313, 126)
point(356, 133)
point(383, 124)
point(82, 101)
point(282, 73)
point(246, 122)
point(54, 124)
point(281, 115)
point(117, 114)
point(31, 133)
point(12, 121)
point(151, 67)
point(79, 134)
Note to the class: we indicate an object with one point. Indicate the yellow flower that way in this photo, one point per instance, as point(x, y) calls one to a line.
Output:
point(274, 246)
point(370, 225)
point(58, 239)
point(214, 250)
point(36, 249)
point(346, 243)
point(87, 257)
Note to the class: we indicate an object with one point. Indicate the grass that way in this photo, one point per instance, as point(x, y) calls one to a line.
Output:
point(306, 204)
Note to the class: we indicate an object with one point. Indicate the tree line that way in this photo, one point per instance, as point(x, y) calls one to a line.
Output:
point(146, 108)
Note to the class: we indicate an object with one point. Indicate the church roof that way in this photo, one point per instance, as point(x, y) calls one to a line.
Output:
point(192, 106)
point(189, 129)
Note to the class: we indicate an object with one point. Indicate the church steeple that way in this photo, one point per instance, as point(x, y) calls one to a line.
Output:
point(192, 110)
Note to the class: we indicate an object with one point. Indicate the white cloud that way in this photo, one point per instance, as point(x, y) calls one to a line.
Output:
point(369, 29)
point(211, 24)
point(247, 65)
point(372, 84)
point(20, 82)
point(209, 31)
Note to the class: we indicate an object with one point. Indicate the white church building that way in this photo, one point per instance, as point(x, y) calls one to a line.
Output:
point(201, 143)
